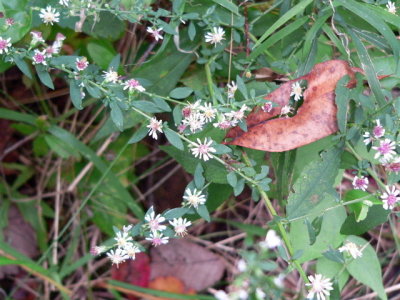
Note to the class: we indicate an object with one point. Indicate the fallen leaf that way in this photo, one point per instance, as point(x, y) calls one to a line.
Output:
point(197, 267)
point(135, 272)
point(170, 284)
point(314, 120)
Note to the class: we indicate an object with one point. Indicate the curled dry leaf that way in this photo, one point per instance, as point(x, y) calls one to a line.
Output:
point(314, 120)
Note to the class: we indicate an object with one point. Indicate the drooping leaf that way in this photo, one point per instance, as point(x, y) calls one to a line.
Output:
point(75, 93)
point(174, 138)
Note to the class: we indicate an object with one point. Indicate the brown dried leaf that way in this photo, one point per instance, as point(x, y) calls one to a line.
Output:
point(197, 267)
point(314, 120)
point(170, 284)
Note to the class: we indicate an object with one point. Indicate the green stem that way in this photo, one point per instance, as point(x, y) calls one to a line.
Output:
point(210, 84)
point(281, 228)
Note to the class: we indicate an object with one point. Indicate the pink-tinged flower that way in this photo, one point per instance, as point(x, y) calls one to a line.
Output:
point(157, 239)
point(267, 107)
point(223, 123)
point(154, 222)
point(180, 226)
point(4, 45)
point(132, 85)
point(203, 150)
point(60, 37)
point(194, 198)
point(122, 239)
point(154, 126)
point(39, 57)
point(182, 127)
point(386, 150)
point(81, 64)
point(285, 110)
point(393, 166)
point(49, 15)
point(118, 256)
point(351, 249)
point(320, 286)
point(391, 7)
point(367, 138)
point(36, 37)
point(390, 197)
point(378, 130)
point(10, 22)
point(97, 250)
point(195, 121)
point(360, 183)
point(237, 116)
point(191, 108)
point(155, 33)
point(297, 91)
point(215, 36)
point(232, 88)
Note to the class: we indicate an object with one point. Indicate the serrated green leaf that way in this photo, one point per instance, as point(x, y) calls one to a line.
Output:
point(174, 138)
point(316, 180)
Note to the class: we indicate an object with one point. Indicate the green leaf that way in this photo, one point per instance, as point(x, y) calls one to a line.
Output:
point(192, 31)
point(282, 20)
point(117, 116)
point(314, 183)
point(174, 138)
point(181, 92)
point(334, 255)
point(101, 52)
point(238, 189)
point(199, 179)
point(228, 5)
point(44, 76)
point(58, 146)
point(75, 93)
point(368, 261)
point(175, 213)
point(232, 179)
point(23, 66)
point(342, 101)
point(203, 212)
point(162, 104)
point(146, 106)
point(285, 31)
point(139, 135)
point(94, 91)
point(331, 269)
point(313, 228)
point(115, 62)
point(221, 149)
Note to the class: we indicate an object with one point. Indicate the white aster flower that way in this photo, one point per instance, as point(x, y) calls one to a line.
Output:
point(237, 116)
point(231, 89)
point(155, 33)
point(49, 15)
point(154, 126)
point(260, 295)
point(351, 249)
point(285, 110)
point(4, 45)
point(242, 294)
point(154, 221)
point(391, 7)
point(297, 91)
point(221, 295)
point(81, 64)
point(360, 183)
point(194, 198)
point(195, 121)
point(386, 150)
point(367, 138)
point(110, 76)
point(131, 250)
point(132, 85)
point(390, 197)
point(223, 123)
point(39, 57)
point(279, 281)
point(208, 111)
point(127, 228)
point(157, 239)
point(36, 37)
point(241, 265)
point(191, 108)
point(215, 36)
point(320, 286)
point(122, 239)
point(118, 256)
point(203, 150)
point(64, 2)
point(180, 226)
point(272, 240)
